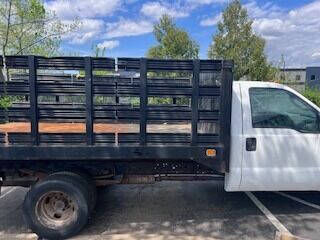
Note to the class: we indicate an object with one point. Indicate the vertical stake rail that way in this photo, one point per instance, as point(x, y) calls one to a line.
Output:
point(143, 101)
point(194, 102)
point(32, 61)
point(89, 101)
point(117, 99)
point(225, 106)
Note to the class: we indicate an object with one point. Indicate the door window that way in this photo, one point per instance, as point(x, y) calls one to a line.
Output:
point(277, 108)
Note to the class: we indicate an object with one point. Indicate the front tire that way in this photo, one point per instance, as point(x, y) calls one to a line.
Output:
point(56, 208)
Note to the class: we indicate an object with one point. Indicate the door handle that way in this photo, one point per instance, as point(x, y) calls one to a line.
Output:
point(251, 144)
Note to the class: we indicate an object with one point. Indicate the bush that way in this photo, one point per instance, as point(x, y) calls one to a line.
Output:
point(5, 102)
point(313, 95)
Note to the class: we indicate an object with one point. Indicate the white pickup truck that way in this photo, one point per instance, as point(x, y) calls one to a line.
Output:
point(173, 120)
point(275, 139)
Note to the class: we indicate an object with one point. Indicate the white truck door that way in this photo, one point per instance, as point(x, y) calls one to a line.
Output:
point(281, 140)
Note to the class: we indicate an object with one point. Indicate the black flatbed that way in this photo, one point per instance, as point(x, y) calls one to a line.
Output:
point(195, 80)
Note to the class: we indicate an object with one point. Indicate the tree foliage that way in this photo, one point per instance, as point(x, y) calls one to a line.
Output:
point(26, 27)
point(236, 40)
point(173, 42)
point(313, 95)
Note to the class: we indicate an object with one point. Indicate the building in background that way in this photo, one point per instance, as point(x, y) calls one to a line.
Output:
point(300, 78)
point(313, 77)
point(293, 77)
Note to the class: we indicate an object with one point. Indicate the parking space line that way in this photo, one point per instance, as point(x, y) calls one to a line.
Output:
point(30, 236)
point(267, 213)
point(299, 200)
point(9, 191)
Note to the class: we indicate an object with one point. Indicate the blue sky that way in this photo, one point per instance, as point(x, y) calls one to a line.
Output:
point(124, 27)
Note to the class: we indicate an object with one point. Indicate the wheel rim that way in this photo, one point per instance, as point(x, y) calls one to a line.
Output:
point(56, 209)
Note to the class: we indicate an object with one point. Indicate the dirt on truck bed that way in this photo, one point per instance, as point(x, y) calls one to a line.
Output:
point(24, 127)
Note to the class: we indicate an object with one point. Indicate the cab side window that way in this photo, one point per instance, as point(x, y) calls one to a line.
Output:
point(277, 108)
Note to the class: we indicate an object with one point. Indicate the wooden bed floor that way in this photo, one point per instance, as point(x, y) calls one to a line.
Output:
point(25, 127)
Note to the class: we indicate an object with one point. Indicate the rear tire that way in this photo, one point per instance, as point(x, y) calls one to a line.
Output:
point(57, 207)
point(86, 180)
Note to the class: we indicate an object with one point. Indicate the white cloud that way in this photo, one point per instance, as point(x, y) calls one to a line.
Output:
point(109, 44)
point(316, 55)
point(271, 28)
point(95, 25)
point(70, 9)
point(267, 10)
point(157, 9)
point(89, 12)
point(176, 9)
point(206, 2)
point(125, 28)
point(89, 29)
point(292, 33)
point(211, 21)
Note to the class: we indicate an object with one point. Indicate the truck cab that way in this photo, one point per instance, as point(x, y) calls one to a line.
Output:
point(274, 139)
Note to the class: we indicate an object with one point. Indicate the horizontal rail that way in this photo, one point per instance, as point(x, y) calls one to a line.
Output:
point(131, 64)
point(107, 138)
point(99, 89)
point(59, 63)
point(84, 153)
point(73, 63)
point(21, 112)
point(60, 138)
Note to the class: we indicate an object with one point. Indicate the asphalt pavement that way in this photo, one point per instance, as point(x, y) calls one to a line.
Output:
point(181, 210)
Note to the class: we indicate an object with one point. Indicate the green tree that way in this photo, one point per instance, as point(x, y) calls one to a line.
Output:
point(27, 28)
point(236, 40)
point(173, 42)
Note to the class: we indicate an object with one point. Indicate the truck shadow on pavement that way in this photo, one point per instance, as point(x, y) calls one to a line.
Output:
point(173, 209)
point(190, 208)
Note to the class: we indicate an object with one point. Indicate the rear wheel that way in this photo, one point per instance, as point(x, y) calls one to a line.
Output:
point(57, 207)
point(86, 181)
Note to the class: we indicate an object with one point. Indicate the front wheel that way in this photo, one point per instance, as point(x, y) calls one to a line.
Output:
point(56, 208)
